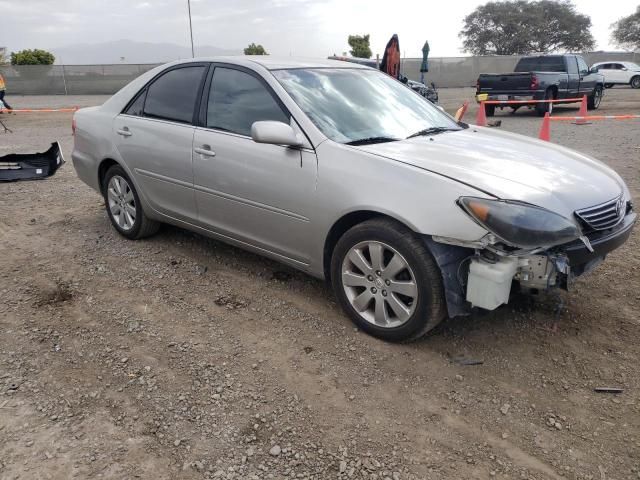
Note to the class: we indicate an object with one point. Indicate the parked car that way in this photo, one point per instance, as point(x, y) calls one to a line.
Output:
point(619, 73)
point(342, 172)
point(543, 77)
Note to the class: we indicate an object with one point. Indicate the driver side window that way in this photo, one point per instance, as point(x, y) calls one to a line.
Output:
point(582, 66)
point(237, 100)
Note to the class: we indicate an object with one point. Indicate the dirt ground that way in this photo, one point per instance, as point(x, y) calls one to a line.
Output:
point(181, 357)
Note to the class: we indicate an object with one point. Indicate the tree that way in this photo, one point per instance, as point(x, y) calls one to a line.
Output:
point(626, 31)
point(524, 27)
point(32, 57)
point(360, 46)
point(254, 49)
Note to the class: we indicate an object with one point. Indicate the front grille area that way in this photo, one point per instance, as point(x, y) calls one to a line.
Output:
point(604, 216)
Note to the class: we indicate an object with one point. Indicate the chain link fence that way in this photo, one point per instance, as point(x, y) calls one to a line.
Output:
point(108, 79)
point(70, 79)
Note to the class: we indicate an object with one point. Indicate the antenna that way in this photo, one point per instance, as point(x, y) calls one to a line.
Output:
point(190, 28)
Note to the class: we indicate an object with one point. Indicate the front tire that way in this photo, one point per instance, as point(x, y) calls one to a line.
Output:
point(387, 281)
point(489, 110)
point(635, 82)
point(124, 207)
point(593, 100)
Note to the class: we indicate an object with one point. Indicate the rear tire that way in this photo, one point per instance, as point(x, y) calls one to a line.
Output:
point(544, 108)
point(593, 100)
point(393, 287)
point(608, 85)
point(635, 82)
point(123, 205)
point(490, 110)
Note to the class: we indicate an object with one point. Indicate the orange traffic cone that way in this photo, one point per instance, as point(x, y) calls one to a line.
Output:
point(545, 129)
point(461, 111)
point(582, 112)
point(481, 118)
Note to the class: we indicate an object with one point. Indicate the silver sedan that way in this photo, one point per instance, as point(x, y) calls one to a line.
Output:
point(343, 172)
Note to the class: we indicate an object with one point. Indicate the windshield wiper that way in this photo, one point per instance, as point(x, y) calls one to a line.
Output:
point(432, 131)
point(371, 140)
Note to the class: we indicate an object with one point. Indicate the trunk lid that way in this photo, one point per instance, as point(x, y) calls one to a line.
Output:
point(502, 82)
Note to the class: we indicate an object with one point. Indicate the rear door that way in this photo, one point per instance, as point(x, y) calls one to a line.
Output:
point(154, 137)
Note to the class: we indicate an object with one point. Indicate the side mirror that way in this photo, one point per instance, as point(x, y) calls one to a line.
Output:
point(274, 133)
point(594, 70)
point(624, 69)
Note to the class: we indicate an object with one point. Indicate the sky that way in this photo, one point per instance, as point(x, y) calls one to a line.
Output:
point(311, 28)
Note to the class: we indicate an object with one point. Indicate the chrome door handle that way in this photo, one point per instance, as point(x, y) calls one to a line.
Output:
point(205, 150)
point(124, 132)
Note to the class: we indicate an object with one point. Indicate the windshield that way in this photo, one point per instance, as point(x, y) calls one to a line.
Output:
point(632, 66)
point(349, 105)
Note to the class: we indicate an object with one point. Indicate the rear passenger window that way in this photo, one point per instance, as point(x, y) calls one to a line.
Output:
point(136, 108)
point(173, 95)
point(238, 99)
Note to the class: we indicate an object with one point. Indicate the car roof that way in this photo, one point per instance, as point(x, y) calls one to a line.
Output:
point(610, 61)
point(277, 63)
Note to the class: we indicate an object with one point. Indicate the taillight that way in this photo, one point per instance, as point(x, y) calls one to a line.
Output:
point(535, 83)
point(73, 126)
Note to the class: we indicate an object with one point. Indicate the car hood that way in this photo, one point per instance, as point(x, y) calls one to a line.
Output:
point(510, 166)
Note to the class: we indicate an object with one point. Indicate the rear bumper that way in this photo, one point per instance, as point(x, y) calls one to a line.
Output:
point(505, 96)
point(31, 166)
point(581, 259)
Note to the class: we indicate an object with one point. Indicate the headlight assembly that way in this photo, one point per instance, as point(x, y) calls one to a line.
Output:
point(520, 224)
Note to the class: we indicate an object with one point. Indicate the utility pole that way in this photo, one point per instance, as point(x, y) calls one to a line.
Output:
point(190, 28)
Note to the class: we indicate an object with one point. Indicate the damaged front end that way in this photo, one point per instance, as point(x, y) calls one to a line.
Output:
point(528, 246)
point(31, 166)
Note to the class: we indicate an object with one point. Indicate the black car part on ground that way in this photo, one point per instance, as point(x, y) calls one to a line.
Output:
point(31, 166)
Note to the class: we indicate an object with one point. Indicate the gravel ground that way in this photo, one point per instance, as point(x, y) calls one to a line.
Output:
point(181, 357)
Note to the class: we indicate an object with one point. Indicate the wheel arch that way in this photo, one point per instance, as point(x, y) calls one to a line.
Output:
point(447, 257)
point(105, 165)
point(343, 224)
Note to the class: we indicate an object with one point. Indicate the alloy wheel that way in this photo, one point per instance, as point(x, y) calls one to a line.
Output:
point(379, 284)
point(122, 202)
point(597, 97)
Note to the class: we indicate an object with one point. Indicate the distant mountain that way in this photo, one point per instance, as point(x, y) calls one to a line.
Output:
point(129, 51)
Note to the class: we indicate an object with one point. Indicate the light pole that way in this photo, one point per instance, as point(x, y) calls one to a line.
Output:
point(190, 28)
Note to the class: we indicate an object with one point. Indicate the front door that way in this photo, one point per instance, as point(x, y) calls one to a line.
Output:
point(154, 137)
point(255, 193)
point(588, 80)
point(573, 82)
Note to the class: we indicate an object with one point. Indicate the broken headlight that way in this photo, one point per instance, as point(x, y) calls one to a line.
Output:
point(520, 224)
